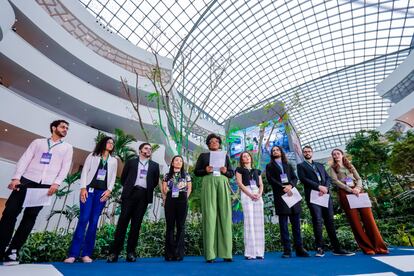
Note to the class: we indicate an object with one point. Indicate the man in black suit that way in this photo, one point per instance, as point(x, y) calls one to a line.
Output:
point(314, 177)
point(282, 178)
point(139, 178)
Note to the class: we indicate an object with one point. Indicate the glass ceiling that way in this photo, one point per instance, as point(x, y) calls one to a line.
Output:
point(333, 53)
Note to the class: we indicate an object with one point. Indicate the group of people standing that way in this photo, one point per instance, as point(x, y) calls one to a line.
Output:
point(46, 163)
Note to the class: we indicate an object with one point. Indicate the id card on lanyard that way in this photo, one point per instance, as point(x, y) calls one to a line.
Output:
point(349, 182)
point(143, 171)
point(253, 186)
point(102, 172)
point(47, 156)
point(175, 191)
point(284, 178)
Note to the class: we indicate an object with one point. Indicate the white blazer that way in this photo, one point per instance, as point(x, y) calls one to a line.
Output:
point(91, 166)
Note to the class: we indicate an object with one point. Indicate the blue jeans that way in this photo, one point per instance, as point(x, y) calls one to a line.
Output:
point(90, 212)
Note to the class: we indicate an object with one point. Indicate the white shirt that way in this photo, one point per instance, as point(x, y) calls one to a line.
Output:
point(55, 172)
point(142, 165)
point(91, 166)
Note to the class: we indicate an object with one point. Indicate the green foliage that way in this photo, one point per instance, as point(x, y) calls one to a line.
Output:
point(401, 160)
point(122, 141)
point(153, 96)
point(369, 152)
point(52, 247)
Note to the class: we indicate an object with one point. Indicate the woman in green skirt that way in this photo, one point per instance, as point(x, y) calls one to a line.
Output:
point(215, 202)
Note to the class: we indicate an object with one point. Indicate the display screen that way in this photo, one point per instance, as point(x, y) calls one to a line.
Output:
point(248, 140)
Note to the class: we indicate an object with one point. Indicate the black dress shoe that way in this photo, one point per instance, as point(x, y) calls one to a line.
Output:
point(286, 254)
point(112, 258)
point(131, 258)
point(228, 260)
point(178, 259)
point(169, 259)
point(301, 252)
point(210, 261)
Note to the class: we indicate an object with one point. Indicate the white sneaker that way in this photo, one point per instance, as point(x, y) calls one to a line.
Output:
point(11, 259)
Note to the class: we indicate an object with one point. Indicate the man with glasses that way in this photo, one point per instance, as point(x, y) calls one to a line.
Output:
point(314, 177)
point(139, 178)
point(45, 164)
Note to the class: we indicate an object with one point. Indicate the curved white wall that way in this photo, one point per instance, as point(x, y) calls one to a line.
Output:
point(65, 40)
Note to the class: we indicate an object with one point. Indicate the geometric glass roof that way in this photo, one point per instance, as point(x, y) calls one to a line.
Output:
point(331, 53)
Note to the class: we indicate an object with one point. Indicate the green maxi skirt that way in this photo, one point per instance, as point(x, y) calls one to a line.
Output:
point(216, 210)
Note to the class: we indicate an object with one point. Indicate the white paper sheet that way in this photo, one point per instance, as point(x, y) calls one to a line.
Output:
point(217, 159)
point(37, 197)
point(361, 201)
point(319, 200)
point(292, 200)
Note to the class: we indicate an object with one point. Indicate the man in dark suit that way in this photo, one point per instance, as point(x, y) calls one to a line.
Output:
point(282, 178)
point(314, 177)
point(139, 178)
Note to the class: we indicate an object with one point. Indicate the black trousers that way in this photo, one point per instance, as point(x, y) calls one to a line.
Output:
point(175, 216)
point(14, 206)
point(321, 215)
point(133, 210)
point(284, 231)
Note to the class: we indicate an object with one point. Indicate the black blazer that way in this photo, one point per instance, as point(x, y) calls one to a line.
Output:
point(204, 160)
point(129, 177)
point(273, 172)
point(309, 178)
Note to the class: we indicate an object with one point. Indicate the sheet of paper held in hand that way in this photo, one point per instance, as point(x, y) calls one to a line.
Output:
point(319, 200)
point(361, 201)
point(37, 197)
point(293, 199)
point(217, 160)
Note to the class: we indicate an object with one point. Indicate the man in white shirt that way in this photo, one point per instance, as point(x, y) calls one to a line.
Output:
point(45, 164)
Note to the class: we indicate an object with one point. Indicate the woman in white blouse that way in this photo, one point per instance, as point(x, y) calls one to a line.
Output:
point(97, 181)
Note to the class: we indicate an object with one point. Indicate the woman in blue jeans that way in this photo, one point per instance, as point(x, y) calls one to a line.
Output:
point(97, 180)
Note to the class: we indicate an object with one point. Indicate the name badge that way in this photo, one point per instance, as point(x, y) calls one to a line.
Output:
point(90, 190)
point(216, 172)
point(319, 176)
point(143, 173)
point(101, 174)
point(284, 178)
point(46, 157)
point(175, 192)
point(253, 186)
point(349, 182)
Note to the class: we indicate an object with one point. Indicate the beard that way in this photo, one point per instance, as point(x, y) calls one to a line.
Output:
point(307, 157)
point(61, 134)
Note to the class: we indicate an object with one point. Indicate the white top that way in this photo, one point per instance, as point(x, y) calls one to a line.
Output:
point(55, 172)
point(91, 166)
point(142, 165)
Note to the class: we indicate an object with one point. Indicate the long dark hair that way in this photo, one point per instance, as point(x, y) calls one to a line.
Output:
point(241, 162)
point(284, 158)
point(101, 146)
point(171, 171)
point(345, 161)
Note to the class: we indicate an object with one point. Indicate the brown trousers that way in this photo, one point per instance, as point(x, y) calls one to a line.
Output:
point(366, 233)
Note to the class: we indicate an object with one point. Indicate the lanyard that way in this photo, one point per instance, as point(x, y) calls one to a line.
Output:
point(280, 166)
point(143, 164)
point(52, 146)
point(313, 166)
point(103, 161)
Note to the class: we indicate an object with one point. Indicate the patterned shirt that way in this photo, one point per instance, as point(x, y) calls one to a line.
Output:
point(178, 181)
